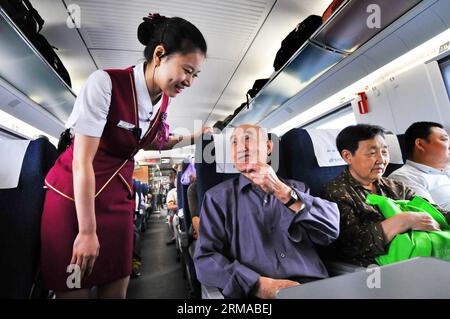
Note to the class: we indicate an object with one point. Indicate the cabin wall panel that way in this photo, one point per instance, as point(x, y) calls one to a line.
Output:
point(439, 92)
point(417, 94)
point(442, 9)
point(380, 112)
point(421, 29)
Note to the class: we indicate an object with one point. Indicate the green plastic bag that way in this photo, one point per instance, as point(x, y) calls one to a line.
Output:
point(413, 243)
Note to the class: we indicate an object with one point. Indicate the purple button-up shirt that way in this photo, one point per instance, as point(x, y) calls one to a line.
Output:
point(246, 233)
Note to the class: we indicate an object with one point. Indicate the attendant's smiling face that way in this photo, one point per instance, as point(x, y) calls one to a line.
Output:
point(178, 71)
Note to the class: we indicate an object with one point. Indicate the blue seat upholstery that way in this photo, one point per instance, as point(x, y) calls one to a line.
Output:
point(187, 221)
point(207, 176)
point(146, 192)
point(138, 218)
point(392, 167)
point(139, 192)
point(20, 220)
point(135, 189)
point(300, 163)
point(193, 286)
point(179, 191)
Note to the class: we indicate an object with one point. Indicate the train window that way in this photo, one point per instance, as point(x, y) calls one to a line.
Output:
point(337, 119)
point(444, 65)
point(7, 134)
point(12, 127)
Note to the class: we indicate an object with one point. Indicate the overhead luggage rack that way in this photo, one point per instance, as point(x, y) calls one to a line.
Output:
point(23, 68)
point(353, 25)
point(343, 37)
point(296, 75)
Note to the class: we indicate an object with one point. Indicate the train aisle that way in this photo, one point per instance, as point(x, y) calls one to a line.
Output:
point(161, 275)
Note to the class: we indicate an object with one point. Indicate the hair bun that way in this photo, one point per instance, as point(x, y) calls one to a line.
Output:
point(147, 28)
point(144, 32)
point(155, 17)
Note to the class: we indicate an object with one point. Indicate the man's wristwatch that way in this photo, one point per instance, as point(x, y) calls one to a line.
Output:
point(293, 199)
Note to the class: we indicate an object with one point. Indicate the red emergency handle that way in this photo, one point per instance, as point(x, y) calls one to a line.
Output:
point(362, 103)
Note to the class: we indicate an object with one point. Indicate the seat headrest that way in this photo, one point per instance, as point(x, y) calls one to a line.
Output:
point(301, 163)
point(327, 154)
point(222, 146)
point(179, 191)
point(205, 165)
point(11, 164)
point(324, 145)
point(395, 151)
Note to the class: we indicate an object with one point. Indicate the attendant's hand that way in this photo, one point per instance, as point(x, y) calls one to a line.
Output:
point(85, 251)
point(203, 130)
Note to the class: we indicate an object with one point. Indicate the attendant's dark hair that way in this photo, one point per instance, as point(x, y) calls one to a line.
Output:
point(415, 131)
point(176, 35)
point(349, 137)
point(65, 139)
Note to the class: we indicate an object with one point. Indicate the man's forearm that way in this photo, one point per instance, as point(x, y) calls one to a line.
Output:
point(283, 192)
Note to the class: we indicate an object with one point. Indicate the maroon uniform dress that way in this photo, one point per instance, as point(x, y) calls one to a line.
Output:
point(113, 167)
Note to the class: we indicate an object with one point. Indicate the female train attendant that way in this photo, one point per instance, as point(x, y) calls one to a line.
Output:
point(87, 219)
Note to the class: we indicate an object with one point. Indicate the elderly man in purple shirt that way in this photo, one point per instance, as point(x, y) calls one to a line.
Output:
point(258, 233)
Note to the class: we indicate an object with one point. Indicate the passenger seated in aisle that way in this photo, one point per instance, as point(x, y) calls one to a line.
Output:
point(172, 209)
point(193, 207)
point(257, 232)
point(172, 176)
point(364, 233)
point(426, 171)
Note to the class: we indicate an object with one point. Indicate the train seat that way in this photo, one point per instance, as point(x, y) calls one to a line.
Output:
point(20, 218)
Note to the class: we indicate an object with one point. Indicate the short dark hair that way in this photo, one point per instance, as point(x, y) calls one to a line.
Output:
point(415, 131)
point(176, 35)
point(349, 137)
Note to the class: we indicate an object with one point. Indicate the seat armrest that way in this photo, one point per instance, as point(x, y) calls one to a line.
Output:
point(211, 293)
point(184, 239)
point(337, 268)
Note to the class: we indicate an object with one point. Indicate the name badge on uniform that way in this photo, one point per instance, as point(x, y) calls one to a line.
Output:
point(126, 125)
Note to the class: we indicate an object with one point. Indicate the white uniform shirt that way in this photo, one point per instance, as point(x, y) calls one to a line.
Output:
point(91, 107)
point(428, 182)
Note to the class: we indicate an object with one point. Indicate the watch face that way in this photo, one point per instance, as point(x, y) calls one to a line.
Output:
point(294, 194)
